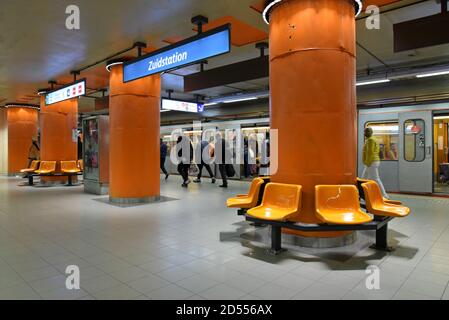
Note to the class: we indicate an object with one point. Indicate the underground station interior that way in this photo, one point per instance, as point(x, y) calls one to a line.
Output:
point(224, 150)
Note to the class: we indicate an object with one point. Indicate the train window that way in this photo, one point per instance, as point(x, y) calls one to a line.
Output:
point(387, 135)
point(414, 140)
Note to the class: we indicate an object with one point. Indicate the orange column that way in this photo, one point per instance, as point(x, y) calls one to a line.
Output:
point(57, 122)
point(22, 128)
point(134, 121)
point(313, 103)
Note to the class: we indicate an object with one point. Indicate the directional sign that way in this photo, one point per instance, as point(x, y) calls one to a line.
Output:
point(184, 106)
point(70, 91)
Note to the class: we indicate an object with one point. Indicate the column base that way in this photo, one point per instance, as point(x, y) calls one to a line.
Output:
point(134, 200)
point(320, 243)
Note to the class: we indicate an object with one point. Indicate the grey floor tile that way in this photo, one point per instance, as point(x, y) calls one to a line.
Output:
point(273, 291)
point(171, 292)
point(321, 291)
point(424, 287)
point(48, 284)
point(99, 283)
point(148, 283)
point(176, 274)
point(129, 274)
point(197, 283)
point(403, 294)
point(222, 292)
point(121, 292)
point(19, 292)
point(246, 283)
point(38, 274)
point(205, 256)
point(63, 294)
point(156, 266)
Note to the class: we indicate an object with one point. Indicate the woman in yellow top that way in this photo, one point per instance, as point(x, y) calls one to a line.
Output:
point(371, 160)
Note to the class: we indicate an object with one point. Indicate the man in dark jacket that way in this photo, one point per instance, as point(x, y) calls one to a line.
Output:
point(183, 147)
point(222, 156)
point(204, 145)
point(163, 156)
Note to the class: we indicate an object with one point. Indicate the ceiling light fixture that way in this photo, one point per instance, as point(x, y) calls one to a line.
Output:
point(240, 100)
point(441, 117)
point(432, 74)
point(21, 105)
point(111, 64)
point(365, 83)
point(266, 11)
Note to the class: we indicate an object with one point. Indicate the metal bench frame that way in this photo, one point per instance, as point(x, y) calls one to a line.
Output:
point(61, 174)
point(379, 224)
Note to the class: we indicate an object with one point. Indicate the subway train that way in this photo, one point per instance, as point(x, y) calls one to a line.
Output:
point(413, 144)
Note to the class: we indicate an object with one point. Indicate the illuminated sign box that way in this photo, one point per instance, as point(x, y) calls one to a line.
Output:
point(189, 51)
point(70, 91)
point(183, 106)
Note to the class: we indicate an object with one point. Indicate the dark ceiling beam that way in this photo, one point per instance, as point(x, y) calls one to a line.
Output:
point(422, 32)
point(238, 72)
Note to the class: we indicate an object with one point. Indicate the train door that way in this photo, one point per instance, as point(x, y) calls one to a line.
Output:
point(415, 153)
point(441, 153)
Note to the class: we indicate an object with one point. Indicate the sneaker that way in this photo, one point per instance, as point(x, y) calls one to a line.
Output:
point(197, 180)
point(184, 185)
point(166, 176)
point(213, 180)
point(223, 186)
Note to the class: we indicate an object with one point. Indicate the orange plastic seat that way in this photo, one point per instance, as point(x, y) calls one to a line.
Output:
point(361, 181)
point(69, 167)
point(280, 202)
point(47, 167)
point(33, 167)
point(339, 204)
point(247, 201)
point(81, 164)
point(376, 205)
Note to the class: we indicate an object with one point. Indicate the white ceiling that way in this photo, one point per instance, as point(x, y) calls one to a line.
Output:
point(35, 46)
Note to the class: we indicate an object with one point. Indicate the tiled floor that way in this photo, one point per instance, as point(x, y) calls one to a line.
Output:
point(195, 248)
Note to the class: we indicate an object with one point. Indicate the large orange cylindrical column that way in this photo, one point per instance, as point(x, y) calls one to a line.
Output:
point(57, 122)
point(134, 121)
point(22, 128)
point(313, 103)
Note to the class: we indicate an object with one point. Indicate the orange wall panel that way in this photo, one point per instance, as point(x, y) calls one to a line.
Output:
point(57, 122)
point(22, 127)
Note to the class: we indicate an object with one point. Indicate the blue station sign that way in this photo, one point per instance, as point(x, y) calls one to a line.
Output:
point(189, 51)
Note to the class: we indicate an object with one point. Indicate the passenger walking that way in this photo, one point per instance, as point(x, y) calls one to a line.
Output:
point(163, 156)
point(80, 147)
point(204, 146)
point(222, 157)
point(371, 160)
point(185, 153)
point(33, 152)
